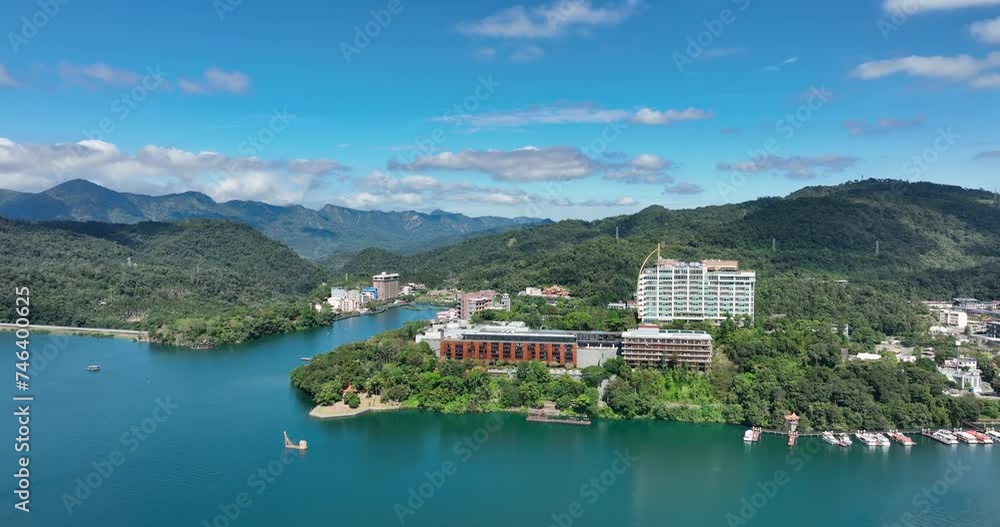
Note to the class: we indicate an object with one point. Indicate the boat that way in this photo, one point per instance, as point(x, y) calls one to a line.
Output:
point(845, 439)
point(305, 359)
point(867, 439)
point(748, 436)
point(982, 437)
point(301, 445)
point(993, 433)
point(829, 437)
point(882, 440)
point(94, 367)
point(901, 438)
point(942, 436)
point(966, 437)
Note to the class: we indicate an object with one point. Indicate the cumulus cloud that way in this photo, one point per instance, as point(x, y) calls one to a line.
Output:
point(911, 7)
point(522, 164)
point(940, 67)
point(883, 126)
point(215, 80)
point(577, 114)
point(383, 191)
point(157, 170)
point(986, 31)
point(6, 81)
point(549, 20)
point(643, 169)
point(793, 167)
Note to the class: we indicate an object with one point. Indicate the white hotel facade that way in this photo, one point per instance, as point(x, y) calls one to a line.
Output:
point(707, 290)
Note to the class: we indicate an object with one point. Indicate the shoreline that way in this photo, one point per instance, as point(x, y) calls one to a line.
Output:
point(340, 410)
point(139, 336)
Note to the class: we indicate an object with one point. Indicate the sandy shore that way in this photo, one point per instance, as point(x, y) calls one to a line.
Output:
point(368, 404)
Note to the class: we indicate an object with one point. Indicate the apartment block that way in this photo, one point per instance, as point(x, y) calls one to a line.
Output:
point(512, 343)
point(386, 285)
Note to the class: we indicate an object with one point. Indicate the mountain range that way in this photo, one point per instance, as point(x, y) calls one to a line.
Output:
point(312, 233)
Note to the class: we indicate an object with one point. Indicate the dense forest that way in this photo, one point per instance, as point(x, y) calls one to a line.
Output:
point(933, 241)
point(194, 283)
point(759, 374)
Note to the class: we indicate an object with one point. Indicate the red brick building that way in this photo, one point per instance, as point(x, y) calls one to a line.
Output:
point(506, 345)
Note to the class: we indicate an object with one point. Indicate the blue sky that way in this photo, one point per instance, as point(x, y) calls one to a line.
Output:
point(570, 108)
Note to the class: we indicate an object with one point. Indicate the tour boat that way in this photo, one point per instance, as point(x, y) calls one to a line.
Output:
point(966, 437)
point(301, 445)
point(868, 439)
point(94, 367)
point(994, 434)
point(983, 438)
point(829, 437)
point(882, 440)
point(845, 439)
point(943, 436)
point(748, 436)
point(901, 438)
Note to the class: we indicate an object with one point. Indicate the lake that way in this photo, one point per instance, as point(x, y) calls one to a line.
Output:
point(173, 437)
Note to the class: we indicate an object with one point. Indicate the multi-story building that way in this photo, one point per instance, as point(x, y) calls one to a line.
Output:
point(471, 303)
point(993, 329)
point(510, 343)
point(953, 318)
point(650, 346)
point(387, 285)
point(706, 290)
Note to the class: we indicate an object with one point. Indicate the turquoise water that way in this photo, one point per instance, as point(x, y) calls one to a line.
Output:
point(219, 451)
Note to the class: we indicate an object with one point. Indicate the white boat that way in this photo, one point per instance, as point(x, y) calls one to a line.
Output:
point(994, 434)
point(94, 367)
point(832, 439)
point(845, 439)
point(882, 439)
point(945, 437)
point(868, 439)
point(748, 436)
point(966, 437)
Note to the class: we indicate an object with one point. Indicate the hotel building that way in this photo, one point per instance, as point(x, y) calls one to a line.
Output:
point(513, 343)
point(707, 290)
point(649, 346)
point(386, 285)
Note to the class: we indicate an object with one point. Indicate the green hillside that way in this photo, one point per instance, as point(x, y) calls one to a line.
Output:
point(933, 241)
point(199, 282)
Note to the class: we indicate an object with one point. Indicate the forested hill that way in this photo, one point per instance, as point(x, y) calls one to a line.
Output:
point(313, 233)
point(198, 282)
point(933, 241)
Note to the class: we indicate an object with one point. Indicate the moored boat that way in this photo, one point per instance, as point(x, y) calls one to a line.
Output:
point(966, 437)
point(867, 439)
point(832, 439)
point(748, 436)
point(301, 445)
point(982, 437)
point(845, 439)
point(994, 434)
point(942, 436)
point(901, 438)
point(882, 440)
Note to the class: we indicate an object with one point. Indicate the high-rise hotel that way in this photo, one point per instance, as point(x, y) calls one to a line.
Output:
point(707, 290)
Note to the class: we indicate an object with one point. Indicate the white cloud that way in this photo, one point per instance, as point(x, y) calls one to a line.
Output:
point(793, 167)
point(550, 20)
point(522, 164)
point(990, 81)
point(942, 67)
point(781, 65)
point(683, 188)
point(911, 7)
point(485, 53)
point(647, 169)
point(158, 170)
point(6, 81)
point(576, 114)
point(986, 30)
point(215, 80)
point(383, 191)
point(99, 73)
point(624, 201)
